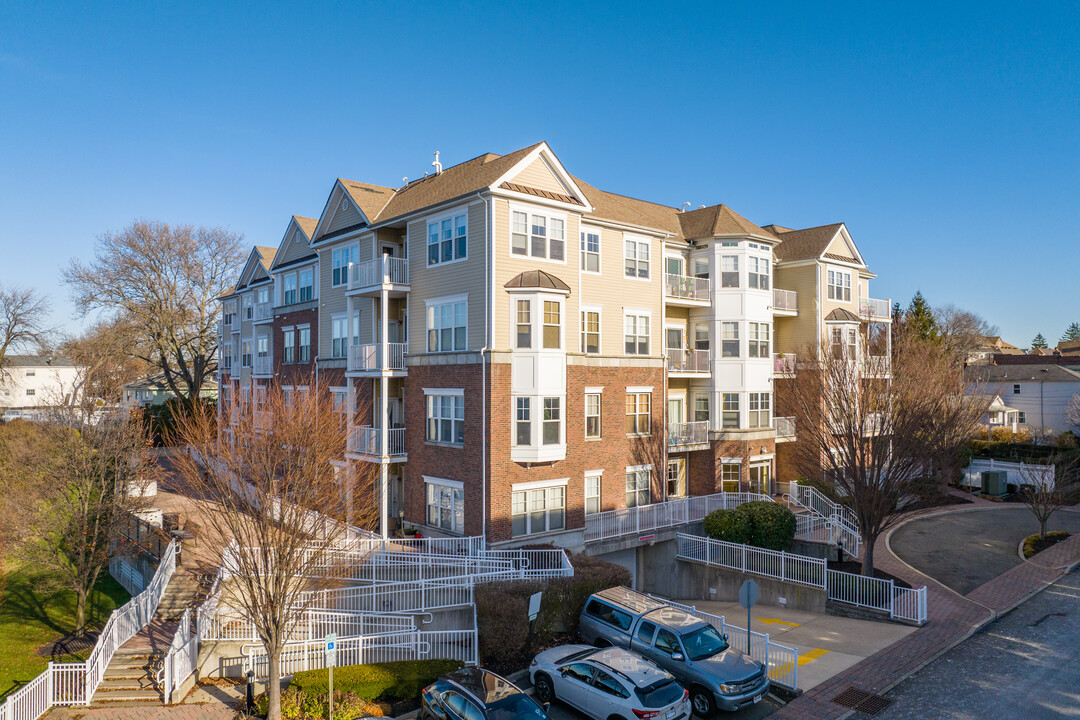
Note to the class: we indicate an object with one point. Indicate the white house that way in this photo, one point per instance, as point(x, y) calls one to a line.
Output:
point(1039, 393)
point(35, 382)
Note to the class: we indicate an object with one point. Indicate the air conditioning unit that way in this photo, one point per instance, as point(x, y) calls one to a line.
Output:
point(994, 482)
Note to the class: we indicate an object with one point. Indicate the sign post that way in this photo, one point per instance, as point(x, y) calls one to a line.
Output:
point(534, 610)
point(748, 595)
point(331, 660)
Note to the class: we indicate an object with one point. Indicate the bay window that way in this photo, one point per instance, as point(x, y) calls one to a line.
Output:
point(523, 421)
point(552, 324)
point(729, 417)
point(524, 324)
point(759, 410)
point(729, 339)
point(759, 340)
point(729, 271)
point(759, 273)
point(552, 420)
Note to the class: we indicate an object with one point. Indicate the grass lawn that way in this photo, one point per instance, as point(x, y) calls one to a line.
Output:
point(30, 620)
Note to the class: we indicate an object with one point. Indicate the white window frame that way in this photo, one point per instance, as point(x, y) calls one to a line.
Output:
point(592, 491)
point(434, 315)
point(339, 344)
point(288, 345)
point(518, 306)
point(759, 340)
point(584, 309)
point(300, 286)
point(300, 345)
point(553, 405)
point(637, 242)
point(729, 265)
point(339, 264)
point(552, 493)
point(838, 281)
point(549, 236)
point(759, 274)
point(759, 405)
point(638, 481)
point(437, 222)
point(598, 398)
point(637, 314)
point(726, 411)
point(560, 325)
point(436, 400)
point(522, 412)
point(727, 337)
point(634, 429)
point(586, 253)
point(285, 279)
point(457, 504)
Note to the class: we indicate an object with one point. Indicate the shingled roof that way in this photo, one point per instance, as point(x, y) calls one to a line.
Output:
point(808, 243)
point(307, 225)
point(717, 220)
point(537, 279)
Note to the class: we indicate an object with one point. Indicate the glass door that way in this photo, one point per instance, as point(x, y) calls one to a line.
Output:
point(676, 477)
point(760, 479)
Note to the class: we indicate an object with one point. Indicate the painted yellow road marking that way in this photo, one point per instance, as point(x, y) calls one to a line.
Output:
point(782, 670)
point(811, 655)
point(777, 621)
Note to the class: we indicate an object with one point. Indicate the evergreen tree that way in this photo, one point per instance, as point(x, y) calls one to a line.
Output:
point(1072, 333)
point(1039, 342)
point(919, 319)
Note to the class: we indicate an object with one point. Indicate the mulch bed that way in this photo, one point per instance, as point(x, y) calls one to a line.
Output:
point(855, 568)
point(1033, 544)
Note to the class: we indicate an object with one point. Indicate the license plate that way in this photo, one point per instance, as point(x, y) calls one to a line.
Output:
point(670, 713)
point(757, 699)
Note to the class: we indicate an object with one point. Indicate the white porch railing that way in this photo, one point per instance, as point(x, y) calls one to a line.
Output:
point(645, 518)
point(783, 364)
point(367, 440)
point(181, 659)
point(369, 356)
point(1017, 473)
point(688, 434)
point(264, 311)
point(688, 361)
point(391, 270)
point(263, 365)
point(877, 309)
point(686, 287)
point(877, 365)
point(784, 426)
point(785, 300)
point(814, 528)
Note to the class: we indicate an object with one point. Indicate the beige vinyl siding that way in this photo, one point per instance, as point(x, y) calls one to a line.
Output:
point(839, 246)
point(295, 248)
point(343, 217)
point(827, 305)
point(465, 277)
point(538, 175)
point(793, 334)
point(332, 300)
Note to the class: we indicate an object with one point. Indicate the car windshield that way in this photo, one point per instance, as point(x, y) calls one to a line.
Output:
point(704, 643)
point(515, 706)
point(660, 694)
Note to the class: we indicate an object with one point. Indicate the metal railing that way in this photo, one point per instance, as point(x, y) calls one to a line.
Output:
point(784, 426)
point(688, 361)
point(813, 499)
point(397, 597)
point(876, 365)
point(785, 300)
point(383, 270)
point(870, 307)
point(685, 434)
point(263, 365)
point(783, 364)
point(181, 659)
point(369, 356)
point(646, 518)
point(814, 528)
point(686, 287)
point(264, 311)
point(367, 440)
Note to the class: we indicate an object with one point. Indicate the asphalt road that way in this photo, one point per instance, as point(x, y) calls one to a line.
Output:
point(964, 550)
point(1021, 667)
point(561, 711)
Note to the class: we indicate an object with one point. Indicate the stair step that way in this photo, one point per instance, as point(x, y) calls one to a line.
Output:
point(113, 684)
point(126, 696)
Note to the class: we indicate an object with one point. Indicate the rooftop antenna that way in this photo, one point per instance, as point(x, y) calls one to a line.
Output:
point(684, 206)
point(437, 164)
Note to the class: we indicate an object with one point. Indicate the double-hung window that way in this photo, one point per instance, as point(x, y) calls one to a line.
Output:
point(446, 418)
point(523, 421)
point(446, 505)
point(340, 263)
point(288, 296)
point(245, 353)
point(448, 239)
point(592, 492)
point(307, 284)
point(729, 477)
point(759, 273)
point(637, 334)
point(339, 329)
point(590, 331)
point(552, 420)
point(729, 339)
point(839, 283)
point(524, 324)
point(303, 349)
point(262, 346)
point(638, 412)
point(446, 325)
point(537, 235)
point(262, 295)
point(552, 324)
point(759, 340)
point(759, 410)
point(246, 305)
point(638, 480)
point(590, 250)
point(636, 257)
point(592, 415)
point(538, 510)
point(701, 408)
point(730, 415)
point(729, 271)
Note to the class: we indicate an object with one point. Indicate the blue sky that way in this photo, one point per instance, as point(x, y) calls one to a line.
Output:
point(944, 135)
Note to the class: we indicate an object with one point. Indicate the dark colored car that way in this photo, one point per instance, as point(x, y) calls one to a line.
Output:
point(476, 694)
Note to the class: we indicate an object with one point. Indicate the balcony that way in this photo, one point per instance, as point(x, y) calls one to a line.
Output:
point(688, 435)
point(368, 358)
point(872, 424)
point(876, 366)
point(375, 275)
point(688, 362)
point(785, 428)
point(263, 367)
point(367, 441)
point(686, 290)
point(264, 312)
point(875, 310)
point(785, 302)
point(784, 364)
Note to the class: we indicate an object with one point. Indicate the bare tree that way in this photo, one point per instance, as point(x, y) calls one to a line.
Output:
point(962, 331)
point(162, 279)
point(105, 359)
point(1072, 413)
point(879, 441)
point(23, 317)
point(1048, 487)
point(266, 488)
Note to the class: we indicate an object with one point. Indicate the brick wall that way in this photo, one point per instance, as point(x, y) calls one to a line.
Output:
point(295, 373)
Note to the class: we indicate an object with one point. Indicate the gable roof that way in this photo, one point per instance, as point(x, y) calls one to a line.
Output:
point(259, 256)
point(306, 224)
point(36, 361)
point(1023, 373)
point(370, 199)
point(537, 279)
point(805, 244)
point(631, 211)
point(717, 220)
point(266, 256)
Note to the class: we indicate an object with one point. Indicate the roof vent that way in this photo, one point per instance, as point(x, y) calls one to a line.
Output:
point(684, 206)
point(437, 164)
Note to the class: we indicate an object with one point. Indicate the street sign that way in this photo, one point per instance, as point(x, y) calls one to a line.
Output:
point(331, 650)
point(749, 594)
point(534, 606)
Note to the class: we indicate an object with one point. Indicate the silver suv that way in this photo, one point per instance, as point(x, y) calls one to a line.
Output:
point(717, 676)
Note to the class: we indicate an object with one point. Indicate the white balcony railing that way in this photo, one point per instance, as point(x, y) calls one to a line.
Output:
point(879, 309)
point(264, 311)
point(393, 270)
point(877, 365)
point(785, 427)
point(785, 300)
point(369, 356)
point(686, 287)
point(688, 361)
point(783, 364)
point(368, 441)
point(264, 365)
point(683, 434)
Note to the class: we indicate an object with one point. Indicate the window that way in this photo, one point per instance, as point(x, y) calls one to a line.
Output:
point(537, 235)
point(304, 347)
point(608, 685)
point(674, 266)
point(539, 510)
point(340, 263)
point(307, 284)
point(524, 324)
point(557, 243)
point(729, 339)
point(610, 615)
point(288, 349)
point(523, 421)
point(637, 258)
point(759, 340)
point(666, 642)
point(730, 415)
point(339, 331)
point(759, 410)
point(447, 239)
point(590, 250)
point(552, 324)
point(288, 296)
point(340, 399)
point(592, 415)
point(31, 391)
point(592, 493)
point(446, 419)
point(446, 506)
point(729, 271)
point(519, 233)
point(262, 345)
point(759, 273)
point(637, 334)
point(839, 283)
point(701, 268)
point(552, 420)
point(581, 672)
point(245, 303)
point(447, 326)
point(676, 484)
point(1016, 389)
point(729, 477)
point(701, 408)
point(590, 331)
point(701, 337)
point(262, 295)
point(637, 413)
point(645, 632)
point(1021, 417)
point(245, 353)
point(637, 486)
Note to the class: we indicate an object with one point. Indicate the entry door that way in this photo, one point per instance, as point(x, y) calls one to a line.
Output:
point(397, 495)
point(676, 477)
point(760, 479)
point(675, 412)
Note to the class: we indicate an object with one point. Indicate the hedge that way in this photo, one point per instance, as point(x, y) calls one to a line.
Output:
point(728, 525)
point(390, 681)
point(766, 524)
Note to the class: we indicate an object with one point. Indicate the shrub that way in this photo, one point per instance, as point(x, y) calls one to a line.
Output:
point(401, 680)
point(772, 525)
point(729, 525)
point(299, 705)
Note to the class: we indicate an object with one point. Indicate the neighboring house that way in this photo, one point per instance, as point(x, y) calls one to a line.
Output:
point(992, 345)
point(517, 349)
point(1039, 393)
point(36, 382)
point(998, 414)
point(1069, 347)
point(153, 390)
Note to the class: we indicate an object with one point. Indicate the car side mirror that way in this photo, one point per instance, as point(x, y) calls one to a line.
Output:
point(678, 657)
point(562, 671)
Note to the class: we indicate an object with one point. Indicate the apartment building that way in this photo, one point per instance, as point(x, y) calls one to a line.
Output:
point(518, 349)
point(33, 383)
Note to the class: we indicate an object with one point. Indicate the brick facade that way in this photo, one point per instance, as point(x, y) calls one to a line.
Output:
point(294, 373)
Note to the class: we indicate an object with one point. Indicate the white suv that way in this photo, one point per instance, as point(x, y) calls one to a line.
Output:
point(608, 684)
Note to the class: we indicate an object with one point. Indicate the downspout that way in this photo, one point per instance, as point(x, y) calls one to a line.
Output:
point(489, 320)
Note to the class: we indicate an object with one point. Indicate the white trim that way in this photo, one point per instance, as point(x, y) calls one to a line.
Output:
point(446, 214)
point(638, 468)
point(537, 484)
point(446, 299)
point(429, 480)
point(339, 388)
point(761, 458)
point(639, 389)
point(637, 311)
point(457, 392)
point(524, 208)
point(582, 228)
point(593, 473)
point(594, 390)
point(554, 165)
point(731, 461)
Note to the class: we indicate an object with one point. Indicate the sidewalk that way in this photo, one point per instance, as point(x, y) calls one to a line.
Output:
point(952, 618)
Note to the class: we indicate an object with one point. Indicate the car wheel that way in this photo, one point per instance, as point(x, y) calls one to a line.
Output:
point(545, 690)
point(702, 702)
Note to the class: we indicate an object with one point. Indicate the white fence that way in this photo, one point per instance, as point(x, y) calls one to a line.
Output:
point(867, 592)
point(781, 660)
point(785, 300)
point(416, 597)
point(646, 518)
point(814, 528)
point(129, 578)
point(181, 659)
point(688, 361)
point(1017, 473)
